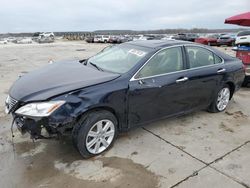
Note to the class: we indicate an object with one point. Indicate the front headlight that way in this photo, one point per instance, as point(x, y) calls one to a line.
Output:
point(39, 109)
point(7, 101)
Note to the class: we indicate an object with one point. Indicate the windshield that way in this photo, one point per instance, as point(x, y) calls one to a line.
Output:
point(243, 33)
point(118, 59)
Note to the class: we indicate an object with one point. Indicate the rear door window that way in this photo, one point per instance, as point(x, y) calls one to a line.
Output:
point(217, 59)
point(200, 57)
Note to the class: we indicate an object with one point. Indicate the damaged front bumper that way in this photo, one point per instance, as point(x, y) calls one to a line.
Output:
point(58, 122)
point(35, 127)
point(40, 128)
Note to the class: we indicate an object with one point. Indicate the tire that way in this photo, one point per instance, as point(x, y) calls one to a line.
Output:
point(219, 107)
point(209, 44)
point(89, 135)
point(245, 83)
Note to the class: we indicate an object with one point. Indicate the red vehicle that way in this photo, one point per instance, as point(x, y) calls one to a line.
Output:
point(243, 53)
point(210, 40)
point(228, 40)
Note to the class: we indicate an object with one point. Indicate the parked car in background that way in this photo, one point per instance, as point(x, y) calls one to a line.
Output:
point(208, 39)
point(154, 37)
point(47, 34)
point(227, 39)
point(24, 41)
point(179, 36)
point(11, 39)
point(139, 37)
point(47, 37)
point(89, 39)
point(243, 53)
point(35, 36)
point(168, 37)
point(186, 37)
point(122, 87)
point(45, 40)
point(3, 41)
point(101, 38)
point(243, 38)
point(113, 39)
point(123, 39)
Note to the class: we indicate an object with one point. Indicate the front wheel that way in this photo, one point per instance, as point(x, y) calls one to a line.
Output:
point(95, 134)
point(221, 100)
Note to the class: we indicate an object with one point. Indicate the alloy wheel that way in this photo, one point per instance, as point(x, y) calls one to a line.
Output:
point(100, 136)
point(223, 99)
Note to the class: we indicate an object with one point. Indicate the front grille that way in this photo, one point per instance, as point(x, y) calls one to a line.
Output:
point(11, 103)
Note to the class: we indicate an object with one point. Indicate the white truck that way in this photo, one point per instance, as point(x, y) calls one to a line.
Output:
point(46, 37)
point(102, 38)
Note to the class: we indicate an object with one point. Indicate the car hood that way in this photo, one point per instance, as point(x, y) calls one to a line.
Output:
point(55, 79)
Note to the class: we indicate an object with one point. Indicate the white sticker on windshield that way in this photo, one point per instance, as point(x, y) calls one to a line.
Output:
point(137, 52)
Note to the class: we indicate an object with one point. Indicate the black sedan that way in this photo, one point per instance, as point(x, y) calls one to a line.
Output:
point(122, 87)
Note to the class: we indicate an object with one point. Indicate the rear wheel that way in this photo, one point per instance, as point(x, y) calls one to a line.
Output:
point(221, 100)
point(95, 134)
point(245, 83)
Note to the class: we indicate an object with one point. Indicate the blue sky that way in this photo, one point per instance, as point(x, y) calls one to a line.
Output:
point(83, 15)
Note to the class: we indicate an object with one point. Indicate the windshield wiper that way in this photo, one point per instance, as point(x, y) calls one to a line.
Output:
point(94, 65)
point(83, 61)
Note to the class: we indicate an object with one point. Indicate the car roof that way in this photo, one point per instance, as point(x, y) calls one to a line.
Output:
point(157, 44)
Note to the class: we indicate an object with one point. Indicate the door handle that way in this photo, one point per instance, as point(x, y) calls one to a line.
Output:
point(219, 71)
point(183, 79)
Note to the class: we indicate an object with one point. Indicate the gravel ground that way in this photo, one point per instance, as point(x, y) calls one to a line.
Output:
point(197, 150)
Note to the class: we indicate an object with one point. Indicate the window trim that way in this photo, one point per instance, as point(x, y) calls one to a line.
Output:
point(187, 58)
point(157, 75)
point(218, 57)
point(185, 61)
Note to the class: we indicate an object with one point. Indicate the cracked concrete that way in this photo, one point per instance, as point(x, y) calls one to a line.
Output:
point(207, 177)
point(236, 164)
point(197, 150)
